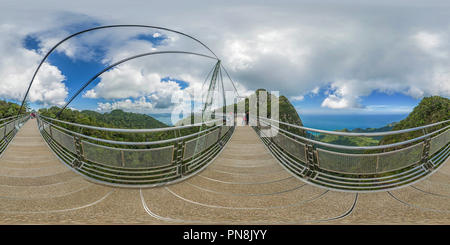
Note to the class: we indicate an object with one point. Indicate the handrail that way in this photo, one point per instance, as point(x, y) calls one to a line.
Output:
point(2, 119)
point(351, 172)
point(362, 147)
point(9, 129)
point(128, 168)
point(132, 143)
point(356, 134)
point(122, 130)
point(16, 116)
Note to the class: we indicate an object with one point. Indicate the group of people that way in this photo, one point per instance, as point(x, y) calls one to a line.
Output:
point(245, 118)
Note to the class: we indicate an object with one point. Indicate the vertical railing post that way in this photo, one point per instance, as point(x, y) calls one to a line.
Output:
point(220, 134)
point(270, 136)
point(181, 168)
point(38, 121)
point(309, 166)
point(378, 161)
point(426, 151)
point(50, 130)
point(235, 120)
point(78, 162)
point(123, 159)
point(4, 130)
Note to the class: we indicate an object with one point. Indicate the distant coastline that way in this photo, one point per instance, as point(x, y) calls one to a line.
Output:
point(328, 122)
point(333, 122)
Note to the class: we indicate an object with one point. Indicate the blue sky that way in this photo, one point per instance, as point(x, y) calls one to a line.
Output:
point(375, 104)
point(77, 71)
point(327, 57)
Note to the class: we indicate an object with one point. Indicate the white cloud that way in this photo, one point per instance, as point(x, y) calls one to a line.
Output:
point(427, 40)
point(315, 91)
point(335, 102)
point(345, 51)
point(344, 94)
point(122, 82)
point(388, 109)
point(163, 97)
point(415, 93)
point(298, 98)
point(239, 54)
point(131, 81)
point(17, 66)
point(126, 105)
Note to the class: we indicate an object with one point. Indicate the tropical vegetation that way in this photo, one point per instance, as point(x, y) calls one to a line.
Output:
point(9, 109)
point(115, 119)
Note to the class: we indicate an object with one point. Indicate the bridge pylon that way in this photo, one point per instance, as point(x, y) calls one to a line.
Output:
point(206, 112)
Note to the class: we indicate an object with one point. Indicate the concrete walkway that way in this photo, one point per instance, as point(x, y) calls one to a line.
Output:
point(244, 185)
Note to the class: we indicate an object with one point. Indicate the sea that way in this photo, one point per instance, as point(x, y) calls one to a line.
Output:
point(328, 122)
point(333, 122)
point(165, 118)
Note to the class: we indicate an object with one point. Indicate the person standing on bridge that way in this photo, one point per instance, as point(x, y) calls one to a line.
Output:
point(246, 117)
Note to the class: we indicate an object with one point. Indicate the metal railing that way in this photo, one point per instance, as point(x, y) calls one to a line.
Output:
point(8, 129)
point(325, 165)
point(119, 162)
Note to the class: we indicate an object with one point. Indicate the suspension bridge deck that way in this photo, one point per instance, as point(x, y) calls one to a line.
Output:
point(244, 184)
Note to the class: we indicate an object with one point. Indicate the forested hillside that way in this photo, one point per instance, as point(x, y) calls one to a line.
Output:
point(9, 109)
point(354, 141)
point(430, 110)
point(115, 119)
point(287, 112)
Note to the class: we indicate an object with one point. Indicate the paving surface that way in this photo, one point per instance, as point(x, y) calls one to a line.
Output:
point(244, 185)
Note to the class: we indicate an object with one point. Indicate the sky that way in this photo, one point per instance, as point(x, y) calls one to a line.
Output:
point(326, 57)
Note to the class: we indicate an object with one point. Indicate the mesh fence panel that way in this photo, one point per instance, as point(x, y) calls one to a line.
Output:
point(209, 139)
point(347, 163)
point(64, 139)
point(2, 131)
point(148, 158)
point(224, 130)
point(9, 127)
point(295, 148)
point(103, 155)
point(189, 147)
point(56, 135)
point(369, 164)
point(46, 128)
point(127, 157)
point(212, 138)
point(399, 159)
point(278, 139)
point(439, 141)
